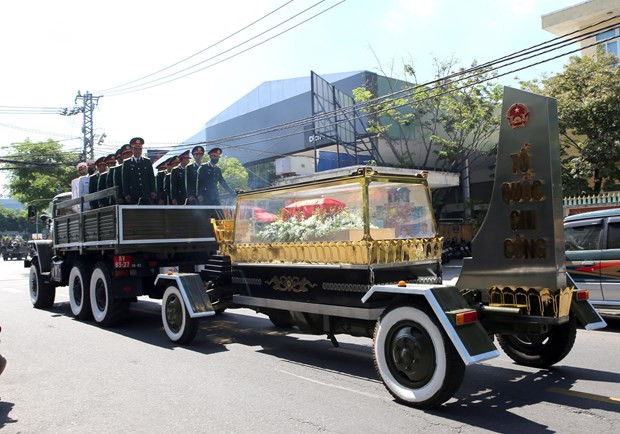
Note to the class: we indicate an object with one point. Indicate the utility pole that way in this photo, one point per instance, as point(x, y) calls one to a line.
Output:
point(89, 102)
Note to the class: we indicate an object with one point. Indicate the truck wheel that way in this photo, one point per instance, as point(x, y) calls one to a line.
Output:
point(107, 310)
point(179, 326)
point(281, 319)
point(42, 293)
point(79, 298)
point(415, 359)
point(543, 350)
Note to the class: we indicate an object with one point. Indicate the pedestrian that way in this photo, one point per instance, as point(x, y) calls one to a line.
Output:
point(191, 174)
point(159, 181)
point(172, 163)
point(178, 193)
point(79, 185)
point(209, 176)
point(93, 182)
point(138, 177)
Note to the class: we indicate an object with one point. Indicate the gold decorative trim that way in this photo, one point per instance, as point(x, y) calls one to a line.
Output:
point(538, 302)
point(290, 283)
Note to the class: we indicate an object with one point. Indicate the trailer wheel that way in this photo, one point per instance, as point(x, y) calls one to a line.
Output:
point(79, 295)
point(42, 293)
point(107, 310)
point(542, 350)
point(179, 326)
point(415, 359)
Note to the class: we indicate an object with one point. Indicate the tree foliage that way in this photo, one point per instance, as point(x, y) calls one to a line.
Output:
point(588, 95)
point(14, 221)
point(234, 173)
point(38, 171)
point(437, 126)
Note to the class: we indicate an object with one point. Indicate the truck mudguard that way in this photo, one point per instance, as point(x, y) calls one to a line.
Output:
point(193, 291)
point(44, 253)
point(470, 340)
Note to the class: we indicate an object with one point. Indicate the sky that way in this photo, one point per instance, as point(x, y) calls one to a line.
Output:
point(50, 50)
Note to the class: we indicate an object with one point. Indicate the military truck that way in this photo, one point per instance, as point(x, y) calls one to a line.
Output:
point(15, 249)
point(354, 253)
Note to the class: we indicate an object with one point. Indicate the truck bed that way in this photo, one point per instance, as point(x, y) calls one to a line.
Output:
point(125, 228)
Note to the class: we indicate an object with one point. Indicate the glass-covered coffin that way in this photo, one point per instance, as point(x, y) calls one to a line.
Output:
point(359, 219)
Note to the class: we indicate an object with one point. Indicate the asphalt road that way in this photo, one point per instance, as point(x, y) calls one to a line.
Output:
point(243, 375)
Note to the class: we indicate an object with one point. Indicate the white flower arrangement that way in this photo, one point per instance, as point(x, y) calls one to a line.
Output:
point(298, 228)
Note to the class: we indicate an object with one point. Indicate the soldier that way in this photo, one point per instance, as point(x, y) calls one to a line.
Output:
point(178, 193)
point(118, 175)
point(172, 163)
point(112, 173)
point(138, 178)
point(102, 182)
point(159, 181)
point(93, 180)
point(191, 174)
point(209, 176)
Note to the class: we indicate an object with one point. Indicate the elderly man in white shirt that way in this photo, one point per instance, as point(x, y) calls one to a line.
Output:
point(79, 186)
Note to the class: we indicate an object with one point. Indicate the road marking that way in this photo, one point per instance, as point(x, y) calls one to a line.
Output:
point(591, 396)
point(359, 392)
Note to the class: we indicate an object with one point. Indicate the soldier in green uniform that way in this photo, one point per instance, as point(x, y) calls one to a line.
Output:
point(112, 173)
point(159, 181)
point(138, 177)
point(191, 174)
point(103, 179)
point(178, 193)
point(172, 163)
point(209, 176)
point(93, 181)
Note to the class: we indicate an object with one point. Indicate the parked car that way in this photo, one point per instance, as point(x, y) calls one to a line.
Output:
point(592, 243)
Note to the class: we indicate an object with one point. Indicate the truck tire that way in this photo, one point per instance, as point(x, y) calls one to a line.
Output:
point(543, 350)
point(414, 357)
point(281, 319)
point(42, 293)
point(79, 294)
point(179, 326)
point(107, 310)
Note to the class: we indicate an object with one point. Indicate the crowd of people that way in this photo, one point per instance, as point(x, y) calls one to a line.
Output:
point(178, 181)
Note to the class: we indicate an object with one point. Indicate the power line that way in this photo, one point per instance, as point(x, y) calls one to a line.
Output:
point(443, 82)
point(144, 86)
point(201, 51)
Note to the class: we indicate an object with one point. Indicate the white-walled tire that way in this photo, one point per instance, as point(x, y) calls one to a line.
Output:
point(107, 310)
point(42, 293)
point(79, 291)
point(415, 359)
point(179, 326)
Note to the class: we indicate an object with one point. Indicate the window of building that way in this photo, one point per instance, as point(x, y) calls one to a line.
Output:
point(610, 47)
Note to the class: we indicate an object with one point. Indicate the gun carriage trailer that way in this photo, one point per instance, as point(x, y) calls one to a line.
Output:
point(352, 254)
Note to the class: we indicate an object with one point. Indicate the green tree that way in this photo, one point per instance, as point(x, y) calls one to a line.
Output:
point(14, 221)
point(38, 170)
point(588, 95)
point(438, 126)
point(234, 173)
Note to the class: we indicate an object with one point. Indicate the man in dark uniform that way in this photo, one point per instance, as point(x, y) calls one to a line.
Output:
point(178, 193)
point(118, 175)
point(172, 163)
point(191, 174)
point(103, 179)
point(209, 176)
point(93, 181)
point(159, 181)
point(138, 177)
